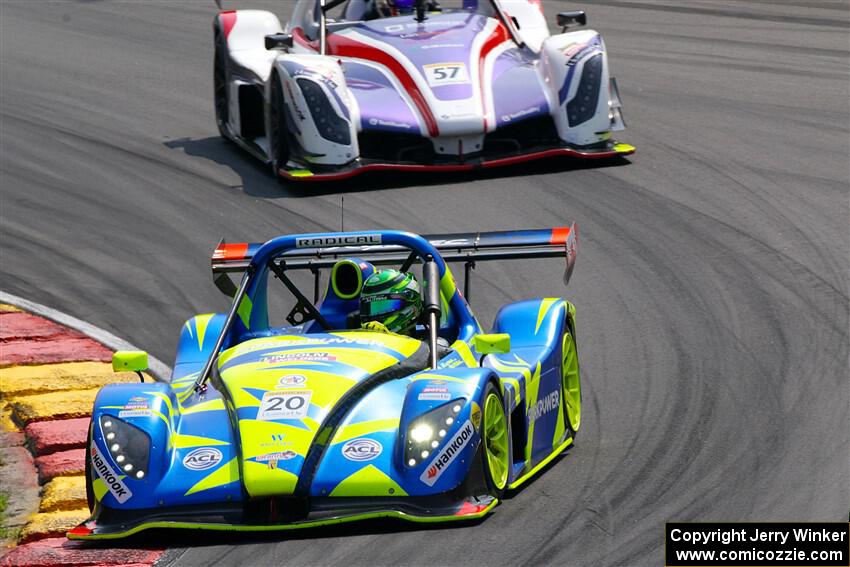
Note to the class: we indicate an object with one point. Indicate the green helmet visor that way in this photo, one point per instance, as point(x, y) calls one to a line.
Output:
point(379, 307)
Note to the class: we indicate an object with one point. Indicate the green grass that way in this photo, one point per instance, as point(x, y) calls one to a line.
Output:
point(4, 501)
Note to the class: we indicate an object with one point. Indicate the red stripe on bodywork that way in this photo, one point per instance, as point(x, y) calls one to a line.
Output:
point(501, 162)
point(347, 47)
point(230, 252)
point(559, 235)
point(228, 20)
point(301, 39)
point(499, 35)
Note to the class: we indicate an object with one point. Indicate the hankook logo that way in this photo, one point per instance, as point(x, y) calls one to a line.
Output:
point(447, 455)
point(113, 482)
point(328, 241)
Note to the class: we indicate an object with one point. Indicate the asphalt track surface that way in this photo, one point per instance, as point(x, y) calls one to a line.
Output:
point(712, 280)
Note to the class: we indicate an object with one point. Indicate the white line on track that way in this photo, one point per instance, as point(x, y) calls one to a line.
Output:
point(157, 368)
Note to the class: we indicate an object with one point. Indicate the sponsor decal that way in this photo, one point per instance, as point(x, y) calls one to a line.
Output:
point(291, 101)
point(291, 380)
point(447, 454)
point(297, 357)
point(441, 46)
point(450, 362)
point(317, 74)
point(550, 402)
point(135, 413)
point(362, 449)
point(327, 341)
point(389, 123)
point(439, 74)
point(273, 458)
point(435, 25)
point(475, 415)
point(326, 241)
point(586, 50)
point(113, 482)
point(277, 440)
point(287, 404)
point(434, 396)
point(279, 456)
point(435, 391)
point(202, 459)
point(520, 114)
point(136, 406)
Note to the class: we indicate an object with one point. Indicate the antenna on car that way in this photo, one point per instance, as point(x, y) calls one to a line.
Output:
point(421, 11)
point(342, 213)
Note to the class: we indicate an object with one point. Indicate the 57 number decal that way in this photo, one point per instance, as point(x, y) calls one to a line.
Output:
point(291, 404)
point(439, 74)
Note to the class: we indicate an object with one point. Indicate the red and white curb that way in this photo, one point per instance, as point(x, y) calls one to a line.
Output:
point(51, 366)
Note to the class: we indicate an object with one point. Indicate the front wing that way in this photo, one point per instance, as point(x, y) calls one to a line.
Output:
point(362, 166)
point(324, 512)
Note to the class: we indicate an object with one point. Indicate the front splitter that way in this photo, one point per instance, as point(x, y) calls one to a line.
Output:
point(346, 172)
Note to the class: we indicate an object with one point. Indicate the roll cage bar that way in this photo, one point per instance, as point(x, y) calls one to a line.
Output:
point(325, 6)
point(323, 250)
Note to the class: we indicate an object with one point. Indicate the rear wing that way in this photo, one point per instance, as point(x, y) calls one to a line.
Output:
point(468, 248)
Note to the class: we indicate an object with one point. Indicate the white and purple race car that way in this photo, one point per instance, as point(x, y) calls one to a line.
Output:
point(356, 85)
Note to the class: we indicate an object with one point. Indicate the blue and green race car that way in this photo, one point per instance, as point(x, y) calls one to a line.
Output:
point(311, 420)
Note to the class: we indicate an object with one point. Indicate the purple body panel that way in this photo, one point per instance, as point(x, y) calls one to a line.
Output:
point(444, 38)
point(381, 105)
point(517, 92)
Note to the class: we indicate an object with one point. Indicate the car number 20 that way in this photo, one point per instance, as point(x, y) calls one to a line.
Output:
point(290, 404)
point(439, 74)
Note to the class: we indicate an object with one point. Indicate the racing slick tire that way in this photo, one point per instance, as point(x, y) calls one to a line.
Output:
point(220, 94)
point(89, 490)
point(571, 381)
point(494, 441)
point(278, 140)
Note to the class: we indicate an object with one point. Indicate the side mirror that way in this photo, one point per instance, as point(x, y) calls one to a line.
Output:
point(130, 361)
point(279, 41)
point(572, 18)
point(492, 344)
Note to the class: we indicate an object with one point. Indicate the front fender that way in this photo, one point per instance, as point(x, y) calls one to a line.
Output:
point(321, 112)
point(578, 61)
point(192, 458)
point(366, 454)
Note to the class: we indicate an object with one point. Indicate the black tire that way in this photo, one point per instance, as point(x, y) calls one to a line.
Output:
point(278, 139)
point(220, 90)
point(497, 481)
point(89, 490)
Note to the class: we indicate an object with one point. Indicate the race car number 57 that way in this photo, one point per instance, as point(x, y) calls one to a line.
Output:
point(289, 404)
point(439, 74)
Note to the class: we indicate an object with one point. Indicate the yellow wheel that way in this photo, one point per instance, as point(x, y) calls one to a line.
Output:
point(495, 441)
point(571, 383)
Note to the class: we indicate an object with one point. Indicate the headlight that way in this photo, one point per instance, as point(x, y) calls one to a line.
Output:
point(128, 445)
point(583, 105)
point(330, 125)
point(427, 432)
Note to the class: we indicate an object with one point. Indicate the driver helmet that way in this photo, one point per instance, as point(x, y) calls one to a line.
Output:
point(393, 299)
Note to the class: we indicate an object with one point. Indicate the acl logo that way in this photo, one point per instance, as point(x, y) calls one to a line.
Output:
point(362, 449)
point(202, 459)
point(290, 380)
